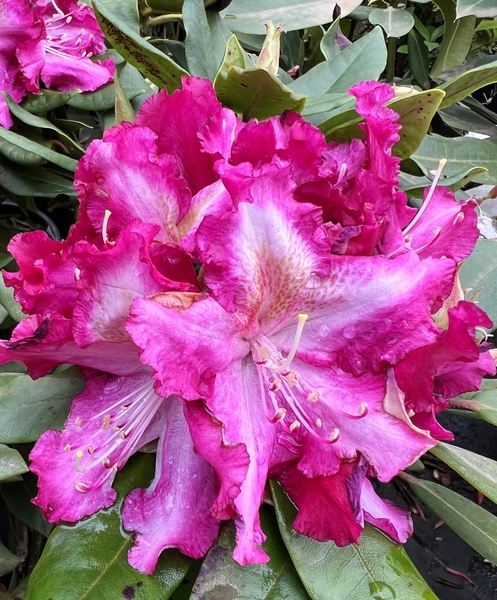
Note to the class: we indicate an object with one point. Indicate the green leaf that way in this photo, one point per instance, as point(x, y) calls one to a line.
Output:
point(483, 403)
point(128, 12)
point(456, 43)
point(468, 82)
point(255, 93)
point(11, 463)
point(234, 56)
point(479, 272)
point(376, 568)
point(415, 186)
point(395, 21)
point(461, 153)
point(248, 16)
point(17, 496)
point(418, 59)
point(8, 561)
point(199, 44)
point(7, 301)
point(319, 109)
point(87, 561)
point(28, 408)
point(35, 121)
point(19, 155)
point(47, 100)
point(221, 577)
point(328, 44)
point(471, 522)
point(362, 60)
point(486, 25)
point(479, 471)
point(479, 8)
point(152, 63)
point(123, 109)
point(462, 117)
point(24, 144)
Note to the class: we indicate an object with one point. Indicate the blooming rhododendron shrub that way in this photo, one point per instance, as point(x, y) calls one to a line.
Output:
point(52, 41)
point(259, 301)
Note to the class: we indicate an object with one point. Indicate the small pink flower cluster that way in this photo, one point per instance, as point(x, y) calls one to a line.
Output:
point(263, 303)
point(52, 41)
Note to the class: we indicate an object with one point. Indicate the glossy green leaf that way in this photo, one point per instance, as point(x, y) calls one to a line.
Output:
point(479, 8)
point(172, 6)
point(128, 12)
point(8, 302)
point(461, 154)
point(482, 403)
point(24, 144)
point(17, 496)
point(234, 56)
point(319, 109)
point(152, 63)
point(376, 568)
point(11, 463)
point(462, 117)
point(221, 577)
point(87, 561)
point(199, 44)
point(47, 100)
point(474, 524)
point(418, 59)
point(362, 60)
point(467, 82)
point(255, 93)
point(28, 408)
point(8, 561)
point(36, 121)
point(18, 155)
point(220, 34)
point(456, 43)
point(415, 186)
point(248, 16)
point(479, 471)
point(395, 21)
point(479, 272)
point(329, 45)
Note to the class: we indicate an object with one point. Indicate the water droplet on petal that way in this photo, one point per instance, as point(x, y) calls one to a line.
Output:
point(324, 331)
point(349, 332)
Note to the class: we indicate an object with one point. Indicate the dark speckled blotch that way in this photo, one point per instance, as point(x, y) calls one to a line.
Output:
point(129, 592)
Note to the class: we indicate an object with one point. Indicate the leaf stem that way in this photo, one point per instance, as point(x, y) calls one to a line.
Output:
point(391, 51)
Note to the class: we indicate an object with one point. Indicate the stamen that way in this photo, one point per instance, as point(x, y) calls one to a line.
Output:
point(319, 423)
point(279, 415)
point(459, 218)
point(302, 318)
point(77, 274)
point(441, 165)
point(295, 425)
point(335, 434)
point(81, 486)
point(313, 397)
point(67, 448)
point(77, 460)
point(105, 222)
point(275, 385)
point(78, 421)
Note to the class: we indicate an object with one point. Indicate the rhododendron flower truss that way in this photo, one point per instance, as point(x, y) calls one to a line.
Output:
point(51, 40)
point(290, 348)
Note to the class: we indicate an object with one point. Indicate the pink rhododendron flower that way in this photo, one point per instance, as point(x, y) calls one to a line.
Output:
point(258, 300)
point(52, 41)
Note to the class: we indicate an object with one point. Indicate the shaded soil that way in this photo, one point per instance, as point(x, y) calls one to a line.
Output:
point(433, 549)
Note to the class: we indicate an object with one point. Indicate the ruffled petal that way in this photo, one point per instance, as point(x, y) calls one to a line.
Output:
point(447, 227)
point(43, 343)
point(76, 466)
point(325, 512)
point(230, 461)
point(187, 339)
point(369, 414)
point(238, 386)
point(391, 519)
point(177, 120)
point(66, 73)
point(267, 249)
point(357, 317)
point(144, 184)
point(174, 512)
